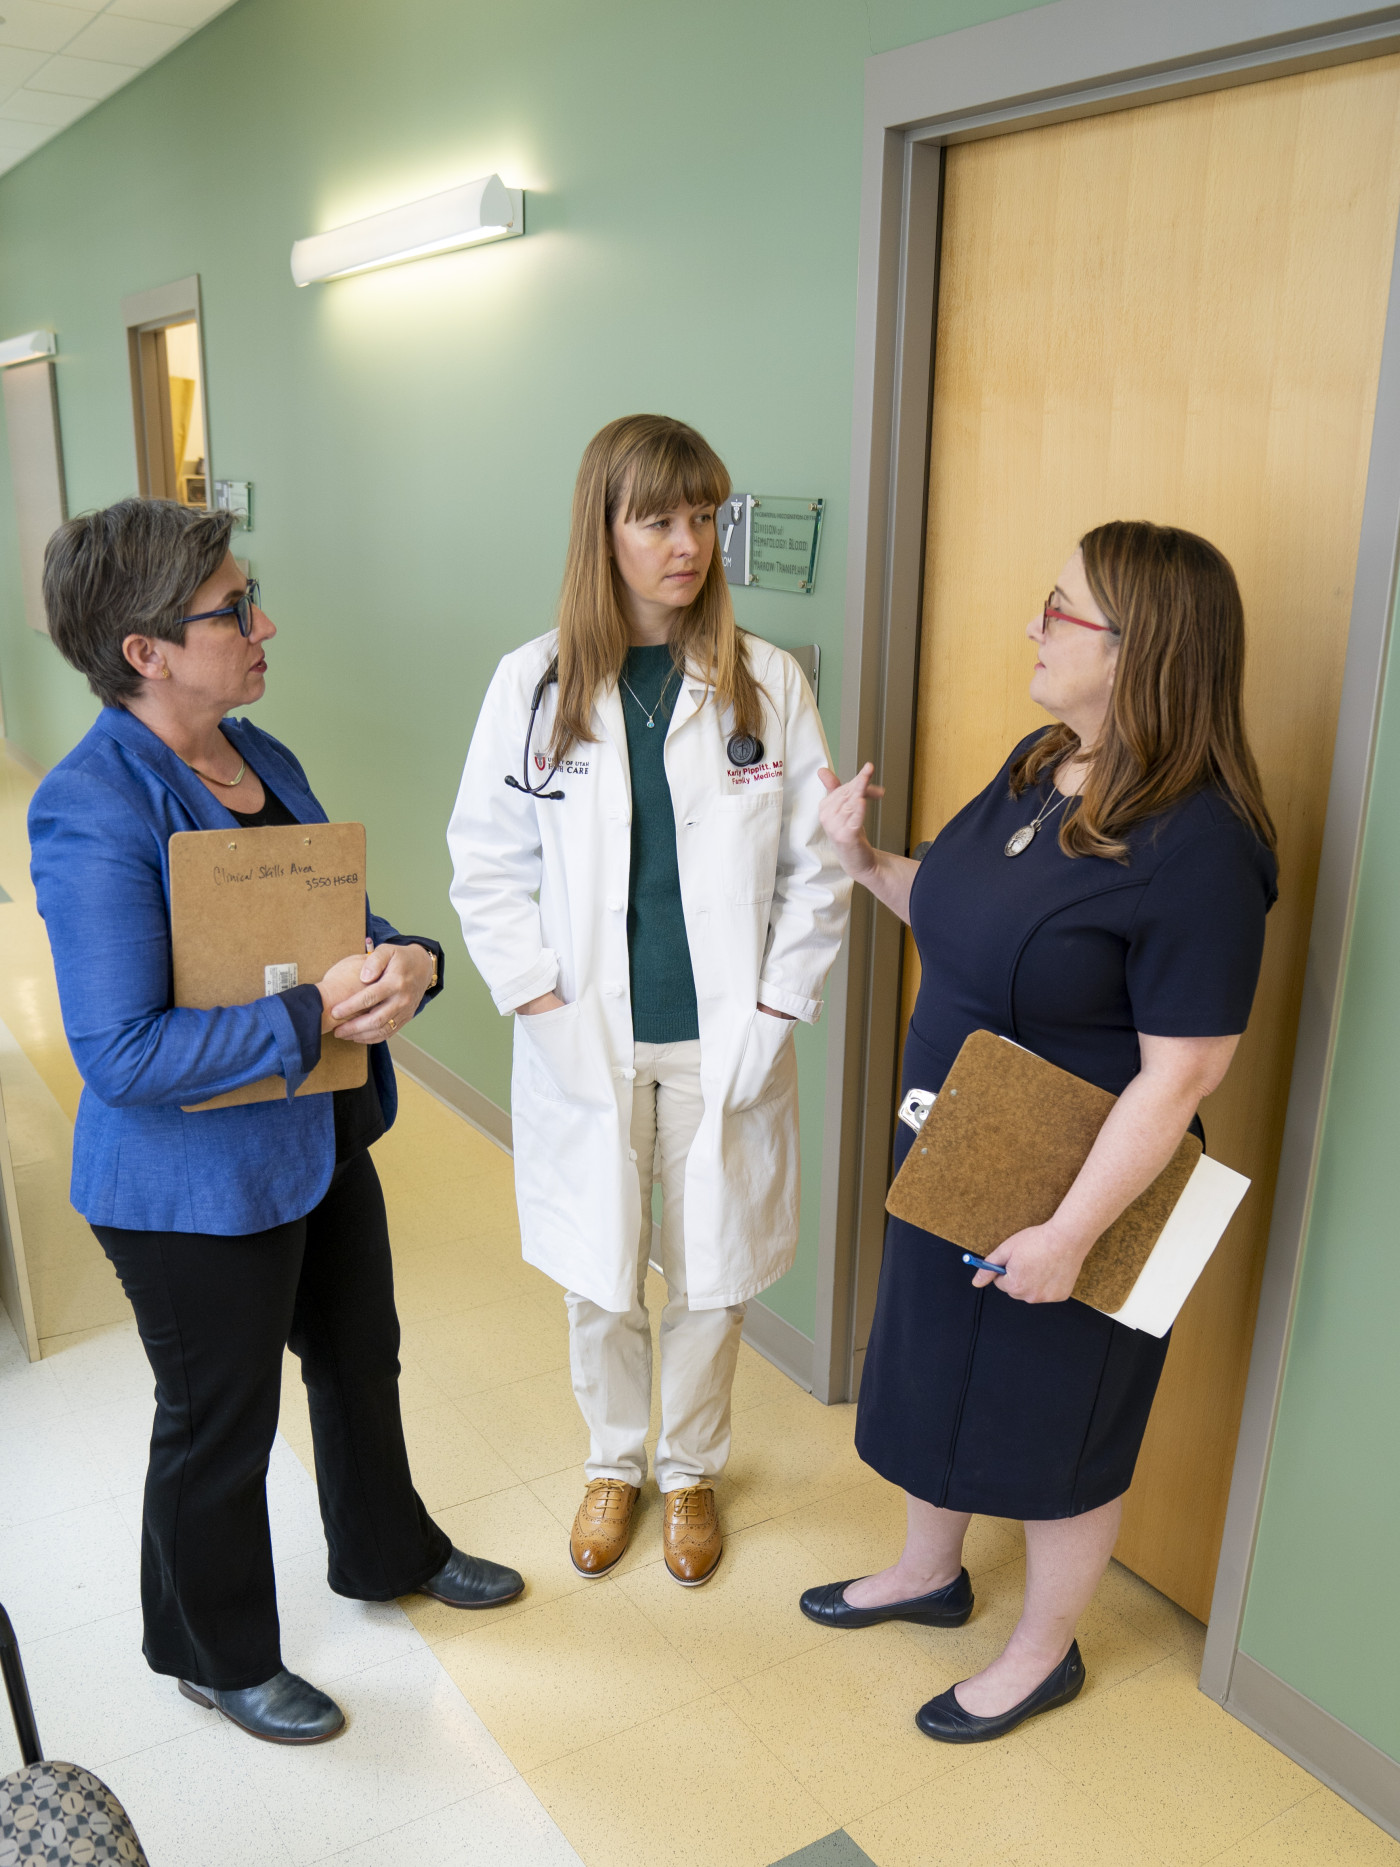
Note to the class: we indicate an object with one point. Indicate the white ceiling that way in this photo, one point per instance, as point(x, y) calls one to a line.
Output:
point(58, 61)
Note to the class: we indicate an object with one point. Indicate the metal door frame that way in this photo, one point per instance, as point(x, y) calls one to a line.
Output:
point(1069, 59)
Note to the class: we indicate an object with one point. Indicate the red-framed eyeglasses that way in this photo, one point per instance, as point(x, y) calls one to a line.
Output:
point(1050, 614)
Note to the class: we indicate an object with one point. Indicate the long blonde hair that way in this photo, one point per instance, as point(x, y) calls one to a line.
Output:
point(1176, 722)
point(654, 464)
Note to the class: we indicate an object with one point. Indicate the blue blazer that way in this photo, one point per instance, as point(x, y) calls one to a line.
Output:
point(99, 830)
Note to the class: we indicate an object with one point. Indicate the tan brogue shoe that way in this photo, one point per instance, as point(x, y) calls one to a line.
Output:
point(690, 1534)
point(602, 1526)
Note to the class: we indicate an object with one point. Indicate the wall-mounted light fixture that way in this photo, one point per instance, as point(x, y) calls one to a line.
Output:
point(25, 349)
point(467, 216)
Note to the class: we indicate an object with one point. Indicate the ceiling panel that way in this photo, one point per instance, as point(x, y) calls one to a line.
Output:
point(58, 60)
point(43, 28)
point(121, 41)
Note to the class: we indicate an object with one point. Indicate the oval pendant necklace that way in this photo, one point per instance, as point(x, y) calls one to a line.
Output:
point(1025, 836)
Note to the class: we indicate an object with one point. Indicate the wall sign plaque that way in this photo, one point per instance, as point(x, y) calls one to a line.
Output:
point(771, 541)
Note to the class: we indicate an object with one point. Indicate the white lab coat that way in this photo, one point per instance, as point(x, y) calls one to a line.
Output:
point(541, 888)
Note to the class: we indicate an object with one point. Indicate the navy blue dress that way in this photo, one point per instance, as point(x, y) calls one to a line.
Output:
point(969, 1399)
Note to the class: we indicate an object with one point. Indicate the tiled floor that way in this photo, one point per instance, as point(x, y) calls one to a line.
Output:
point(618, 1721)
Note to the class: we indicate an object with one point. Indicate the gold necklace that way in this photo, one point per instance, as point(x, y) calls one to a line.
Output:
point(227, 783)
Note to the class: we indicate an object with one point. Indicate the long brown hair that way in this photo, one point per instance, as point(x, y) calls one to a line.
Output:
point(654, 464)
point(1176, 722)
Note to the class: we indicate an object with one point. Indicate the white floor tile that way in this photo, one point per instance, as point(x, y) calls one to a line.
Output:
point(96, 1699)
point(67, 1570)
point(106, 1366)
point(324, 1636)
point(502, 1825)
point(46, 1467)
point(120, 1435)
point(292, 1507)
point(414, 1746)
point(29, 1390)
point(197, 1802)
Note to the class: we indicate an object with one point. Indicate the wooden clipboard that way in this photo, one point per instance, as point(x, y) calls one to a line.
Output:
point(255, 911)
point(1001, 1147)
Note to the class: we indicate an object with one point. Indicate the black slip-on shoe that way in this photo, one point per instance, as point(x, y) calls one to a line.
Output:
point(285, 1709)
point(945, 1607)
point(472, 1582)
point(943, 1717)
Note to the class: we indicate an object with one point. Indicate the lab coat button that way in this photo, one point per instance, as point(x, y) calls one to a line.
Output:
point(631, 1153)
point(616, 907)
point(631, 1075)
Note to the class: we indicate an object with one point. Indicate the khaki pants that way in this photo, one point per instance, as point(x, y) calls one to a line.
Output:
point(610, 1354)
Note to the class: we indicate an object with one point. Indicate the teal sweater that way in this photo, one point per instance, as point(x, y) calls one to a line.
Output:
point(663, 985)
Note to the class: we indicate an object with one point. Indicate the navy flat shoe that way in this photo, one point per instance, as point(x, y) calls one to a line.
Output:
point(472, 1582)
point(945, 1607)
point(944, 1718)
point(284, 1709)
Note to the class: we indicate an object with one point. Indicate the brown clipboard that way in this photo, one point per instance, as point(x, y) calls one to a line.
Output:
point(254, 911)
point(1001, 1147)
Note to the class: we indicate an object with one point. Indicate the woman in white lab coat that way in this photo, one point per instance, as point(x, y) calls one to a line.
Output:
point(642, 876)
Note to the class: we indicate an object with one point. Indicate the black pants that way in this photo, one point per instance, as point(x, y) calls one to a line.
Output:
point(214, 1315)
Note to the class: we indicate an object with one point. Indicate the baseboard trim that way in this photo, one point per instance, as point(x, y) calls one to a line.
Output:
point(1326, 1748)
point(777, 1341)
point(459, 1095)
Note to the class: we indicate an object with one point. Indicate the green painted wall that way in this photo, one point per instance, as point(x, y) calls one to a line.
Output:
point(1321, 1610)
point(412, 435)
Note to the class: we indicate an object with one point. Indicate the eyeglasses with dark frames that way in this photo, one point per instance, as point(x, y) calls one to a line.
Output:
point(1050, 614)
point(249, 600)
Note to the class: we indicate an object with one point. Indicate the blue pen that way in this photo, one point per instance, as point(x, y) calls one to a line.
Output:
point(970, 1257)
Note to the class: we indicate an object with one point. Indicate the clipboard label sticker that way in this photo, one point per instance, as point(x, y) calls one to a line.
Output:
point(279, 979)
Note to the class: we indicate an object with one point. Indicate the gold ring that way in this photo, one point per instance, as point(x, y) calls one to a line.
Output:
point(391, 1024)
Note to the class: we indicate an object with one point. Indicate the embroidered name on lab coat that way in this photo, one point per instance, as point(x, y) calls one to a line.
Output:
point(770, 771)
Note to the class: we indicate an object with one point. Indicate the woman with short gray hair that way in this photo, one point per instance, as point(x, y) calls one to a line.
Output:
point(242, 1230)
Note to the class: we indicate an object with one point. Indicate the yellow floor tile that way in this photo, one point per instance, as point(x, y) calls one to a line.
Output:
point(788, 1453)
point(569, 1673)
point(451, 1462)
point(1156, 1753)
point(1137, 1601)
point(862, 1530)
point(1319, 1831)
point(757, 1381)
point(513, 1527)
point(431, 1286)
point(692, 1787)
point(489, 1346)
point(1000, 1806)
point(742, 1621)
point(533, 1424)
point(841, 1718)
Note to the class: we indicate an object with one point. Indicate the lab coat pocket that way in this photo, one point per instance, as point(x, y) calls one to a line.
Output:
point(760, 1074)
point(569, 1055)
point(749, 828)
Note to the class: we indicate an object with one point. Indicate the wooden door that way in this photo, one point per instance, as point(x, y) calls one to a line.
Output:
point(1172, 313)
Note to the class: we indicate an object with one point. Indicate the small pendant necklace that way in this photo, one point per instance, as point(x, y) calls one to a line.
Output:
point(649, 717)
point(1025, 836)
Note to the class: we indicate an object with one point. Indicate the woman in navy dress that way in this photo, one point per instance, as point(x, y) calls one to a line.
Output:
point(1121, 939)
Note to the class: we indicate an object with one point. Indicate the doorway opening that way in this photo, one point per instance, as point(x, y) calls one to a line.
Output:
point(167, 393)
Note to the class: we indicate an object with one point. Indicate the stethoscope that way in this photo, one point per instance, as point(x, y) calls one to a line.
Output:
point(742, 749)
point(551, 673)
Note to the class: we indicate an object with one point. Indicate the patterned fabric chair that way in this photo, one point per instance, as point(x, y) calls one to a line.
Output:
point(55, 1812)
